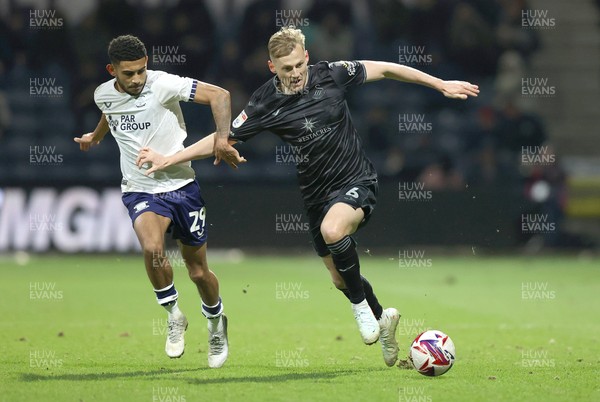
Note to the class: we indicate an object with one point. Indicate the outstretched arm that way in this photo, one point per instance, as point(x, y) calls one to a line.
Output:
point(90, 139)
point(199, 150)
point(220, 104)
point(377, 70)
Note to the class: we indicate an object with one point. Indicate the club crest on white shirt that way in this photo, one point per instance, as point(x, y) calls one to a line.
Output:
point(112, 123)
point(140, 101)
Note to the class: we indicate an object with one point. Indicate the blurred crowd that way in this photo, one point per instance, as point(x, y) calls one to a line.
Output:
point(410, 132)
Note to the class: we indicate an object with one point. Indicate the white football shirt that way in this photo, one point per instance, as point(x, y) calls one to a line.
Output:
point(152, 119)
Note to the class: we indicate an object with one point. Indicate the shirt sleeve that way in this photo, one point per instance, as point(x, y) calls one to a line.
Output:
point(170, 87)
point(347, 73)
point(98, 95)
point(248, 123)
point(96, 98)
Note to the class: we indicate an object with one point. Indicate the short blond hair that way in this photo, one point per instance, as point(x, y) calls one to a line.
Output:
point(284, 41)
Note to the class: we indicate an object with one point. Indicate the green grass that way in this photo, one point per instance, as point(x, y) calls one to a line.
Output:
point(100, 335)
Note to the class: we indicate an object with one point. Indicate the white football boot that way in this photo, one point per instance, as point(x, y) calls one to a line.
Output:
point(367, 324)
point(175, 343)
point(218, 348)
point(387, 335)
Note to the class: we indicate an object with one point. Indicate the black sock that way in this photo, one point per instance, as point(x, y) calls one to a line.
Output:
point(370, 296)
point(346, 292)
point(346, 263)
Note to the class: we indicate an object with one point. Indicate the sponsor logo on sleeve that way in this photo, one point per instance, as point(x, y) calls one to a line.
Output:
point(348, 65)
point(242, 117)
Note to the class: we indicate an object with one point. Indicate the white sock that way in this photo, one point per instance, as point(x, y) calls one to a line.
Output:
point(214, 323)
point(172, 308)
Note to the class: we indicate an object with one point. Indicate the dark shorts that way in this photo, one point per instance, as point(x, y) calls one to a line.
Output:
point(184, 206)
point(360, 195)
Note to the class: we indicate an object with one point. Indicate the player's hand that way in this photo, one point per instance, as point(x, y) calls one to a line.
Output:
point(86, 141)
point(224, 151)
point(459, 89)
point(156, 160)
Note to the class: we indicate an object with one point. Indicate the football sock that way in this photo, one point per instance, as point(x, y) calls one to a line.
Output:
point(166, 295)
point(370, 296)
point(172, 307)
point(346, 262)
point(212, 311)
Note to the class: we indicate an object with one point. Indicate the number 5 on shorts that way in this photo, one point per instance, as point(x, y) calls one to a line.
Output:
point(198, 216)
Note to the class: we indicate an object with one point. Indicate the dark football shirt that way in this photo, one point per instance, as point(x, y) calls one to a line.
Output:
point(316, 123)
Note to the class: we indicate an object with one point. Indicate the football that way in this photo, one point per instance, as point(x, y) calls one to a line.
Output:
point(432, 353)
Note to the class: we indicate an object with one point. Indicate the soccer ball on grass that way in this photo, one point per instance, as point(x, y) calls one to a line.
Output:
point(432, 353)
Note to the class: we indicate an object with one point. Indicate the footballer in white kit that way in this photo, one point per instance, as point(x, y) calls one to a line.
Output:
point(141, 109)
point(152, 119)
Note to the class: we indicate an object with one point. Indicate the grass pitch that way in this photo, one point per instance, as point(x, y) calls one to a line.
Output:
point(87, 328)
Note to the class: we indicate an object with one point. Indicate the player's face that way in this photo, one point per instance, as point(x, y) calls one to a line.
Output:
point(291, 70)
point(130, 75)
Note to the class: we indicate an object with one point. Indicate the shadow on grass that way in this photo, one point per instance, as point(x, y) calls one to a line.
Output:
point(223, 379)
point(31, 377)
point(277, 378)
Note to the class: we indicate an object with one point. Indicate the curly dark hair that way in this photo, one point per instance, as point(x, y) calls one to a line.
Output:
point(126, 48)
